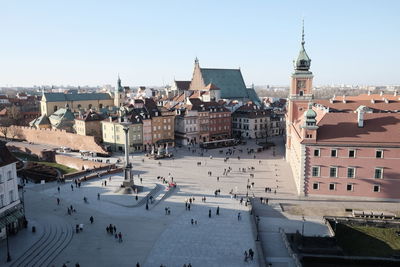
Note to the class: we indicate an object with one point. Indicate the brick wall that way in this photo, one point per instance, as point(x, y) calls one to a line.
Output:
point(61, 138)
point(77, 163)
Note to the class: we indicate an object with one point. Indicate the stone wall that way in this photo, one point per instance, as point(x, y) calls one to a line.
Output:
point(61, 138)
point(77, 163)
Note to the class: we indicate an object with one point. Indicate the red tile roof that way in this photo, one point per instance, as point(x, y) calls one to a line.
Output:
point(342, 128)
point(5, 156)
point(183, 85)
point(352, 105)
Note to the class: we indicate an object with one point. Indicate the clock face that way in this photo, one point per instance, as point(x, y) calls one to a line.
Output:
point(301, 84)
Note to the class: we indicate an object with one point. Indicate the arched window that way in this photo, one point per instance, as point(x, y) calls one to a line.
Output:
point(301, 93)
point(90, 106)
point(55, 108)
point(100, 105)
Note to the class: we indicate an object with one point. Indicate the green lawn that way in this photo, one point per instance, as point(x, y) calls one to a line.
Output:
point(30, 157)
point(62, 168)
point(25, 156)
point(368, 240)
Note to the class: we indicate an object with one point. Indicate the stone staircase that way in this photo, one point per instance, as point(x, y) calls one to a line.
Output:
point(56, 236)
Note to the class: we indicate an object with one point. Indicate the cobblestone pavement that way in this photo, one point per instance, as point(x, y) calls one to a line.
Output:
point(149, 236)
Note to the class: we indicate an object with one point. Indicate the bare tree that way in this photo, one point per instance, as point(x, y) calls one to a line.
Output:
point(15, 132)
point(4, 128)
point(14, 115)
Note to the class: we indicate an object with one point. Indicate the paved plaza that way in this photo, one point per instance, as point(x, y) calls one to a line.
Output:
point(151, 237)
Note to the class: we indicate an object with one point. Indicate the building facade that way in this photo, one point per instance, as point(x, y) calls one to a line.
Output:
point(341, 148)
point(249, 121)
point(11, 211)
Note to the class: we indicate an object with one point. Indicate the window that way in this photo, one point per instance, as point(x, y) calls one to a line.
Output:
point(315, 171)
point(11, 193)
point(2, 201)
point(377, 188)
point(309, 136)
point(90, 106)
point(351, 172)
point(315, 186)
point(154, 128)
point(334, 153)
point(350, 187)
point(333, 172)
point(332, 186)
point(9, 176)
point(1, 179)
point(379, 154)
point(352, 153)
point(378, 173)
point(55, 108)
point(316, 152)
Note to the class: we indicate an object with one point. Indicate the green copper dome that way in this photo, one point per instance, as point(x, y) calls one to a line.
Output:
point(303, 61)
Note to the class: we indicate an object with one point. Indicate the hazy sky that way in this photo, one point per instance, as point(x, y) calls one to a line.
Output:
point(87, 42)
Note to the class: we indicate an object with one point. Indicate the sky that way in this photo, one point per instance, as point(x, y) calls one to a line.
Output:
point(88, 42)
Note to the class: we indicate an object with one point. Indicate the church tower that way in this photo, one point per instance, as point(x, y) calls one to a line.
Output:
point(119, 95)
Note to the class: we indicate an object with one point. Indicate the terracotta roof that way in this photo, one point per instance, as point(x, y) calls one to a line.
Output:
point(368, 97)
point(342, 128)
point(196, 94)
point(6, 157)
point(212, 86)
point(250, 106)
point(352, 105)
point(183, 85)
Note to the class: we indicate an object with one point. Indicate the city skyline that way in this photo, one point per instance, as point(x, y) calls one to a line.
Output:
point(153, 43)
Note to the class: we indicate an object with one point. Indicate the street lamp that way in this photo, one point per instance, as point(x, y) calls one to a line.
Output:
point(302, 231)
point(8, 247)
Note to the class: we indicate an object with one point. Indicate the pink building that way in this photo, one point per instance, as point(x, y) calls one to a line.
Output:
point(342, 147)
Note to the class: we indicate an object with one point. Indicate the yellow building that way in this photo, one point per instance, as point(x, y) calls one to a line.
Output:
point(51, 102)
point(114, 135)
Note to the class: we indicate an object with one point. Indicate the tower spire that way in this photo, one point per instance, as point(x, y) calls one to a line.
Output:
point(302, 35)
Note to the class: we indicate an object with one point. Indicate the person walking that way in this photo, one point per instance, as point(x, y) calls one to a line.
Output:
point(245, 256)
point(239, 216)
point(251, 254)
point(119, 237)
point(217, 211)
point(58, 189)
point(58, 201)
point(137, 264)
point(209, 213)
point(72, 187)
point(91, 219)
point(98, 196)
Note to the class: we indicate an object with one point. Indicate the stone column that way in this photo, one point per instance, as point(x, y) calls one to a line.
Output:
point(128, 179)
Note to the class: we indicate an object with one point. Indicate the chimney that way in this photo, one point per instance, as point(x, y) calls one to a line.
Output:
point(369, 92)
point(395, 93)
point(360, 118)
point(381, 93)
point(373, 101)
point(344, 99)
point(110, 118)
point(386, 100)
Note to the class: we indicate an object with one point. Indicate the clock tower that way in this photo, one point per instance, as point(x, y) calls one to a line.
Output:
point(299, 97)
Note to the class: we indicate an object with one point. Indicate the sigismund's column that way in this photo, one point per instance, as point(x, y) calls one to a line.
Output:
point(128, 179)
